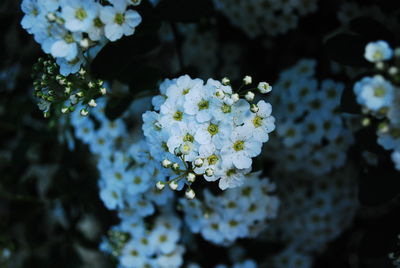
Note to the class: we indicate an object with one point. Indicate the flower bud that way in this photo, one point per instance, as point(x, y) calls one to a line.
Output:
point(51, 16)
point(177, 151)
point(247, 80)
point(191, 177)
point(92, 103)
point(160, 185)
point(393, 70)
point(209, 172)
point(80, 94)
point(84, 112)
point(380, 65)
point(264, 87)
point(84, 43)
point(175, 166)
point(166, 163)
point(103, 91)
point(82, 71)
point(235, 97)
point(225, 81)
point(173, 185)
point(64, 110)
point(254, 108)
point(198, 162)
point(91, 84)
point(190, 194)
point(249, 96)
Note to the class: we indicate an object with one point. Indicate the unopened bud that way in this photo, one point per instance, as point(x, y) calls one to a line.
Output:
point(80, 94)
point(190, 194)
point(235, 97)
point(82, 71)
point(92, 103)
point(91, 84)
point(209, 172)
point(173, 185)
point(249, 96)
point(191, 177)
point(198, 162)
point(225, 81)
point(166, 163)
point(175, 166)
point(64, 110)
point(160, 185)
point(254, 108)
point(84, 112)
point(379, 65)
point(103, 91)
point(247, 80)
point(51, 16)
point(393, 70)
point(85, 43)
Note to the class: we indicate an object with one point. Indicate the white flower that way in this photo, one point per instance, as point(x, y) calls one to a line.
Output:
point(374, 92)
point(240, 148)
point(119, 21)
point(378, 51)
point(264, 87)
point(261, 123)
point(198, 101)
point(78, 15)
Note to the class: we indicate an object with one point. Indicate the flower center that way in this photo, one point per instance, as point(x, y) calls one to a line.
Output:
point(185, 91)
point(119, 18)
point(164, 146)
point(118, 176)
point(178, 115)
point(212, 129)
point(257, 121)
point(80, 14)
point(379, 91)
point(137, 180)
point(98, 23)
point(231, 172)
point(188, 138)
point(68, 38)
point(238, 146)
point(212, 159)
point(377, 55)
point(226, 108)
point(203, 104)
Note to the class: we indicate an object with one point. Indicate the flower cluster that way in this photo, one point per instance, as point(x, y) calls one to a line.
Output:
point(63, 93)
point(237, 213)
point(206, 130)
point(144, 244)
point(74, 31)
point(265, 16)
point(315, 211)
point(311, 133)
point(379, 96)
point(127, 178)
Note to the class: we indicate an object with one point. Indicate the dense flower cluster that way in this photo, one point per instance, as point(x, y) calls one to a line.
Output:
point(237, 213)
point(206, 130)
point(266, 16)
point(380, 98)
point(130, 167)
point(313, 212)
point(74, 31)
point(311, 134)
point(127, 178)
